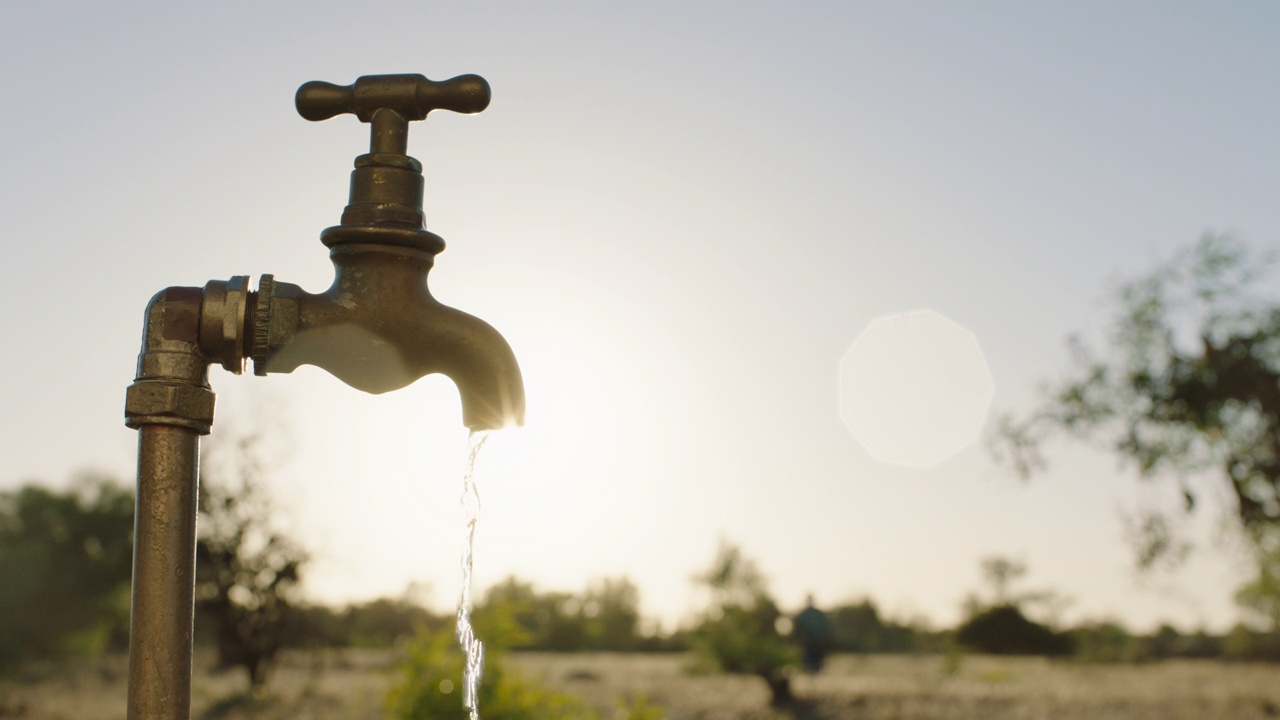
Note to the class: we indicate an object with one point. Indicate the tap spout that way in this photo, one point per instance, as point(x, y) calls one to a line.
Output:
point(378, 328)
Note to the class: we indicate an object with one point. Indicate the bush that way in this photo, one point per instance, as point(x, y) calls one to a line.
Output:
point(860, 629)
point(427, 687)
point(1244, 644)
point(1167, 642)
point(1106, 642)
point(427, 684)
point(1004, 630)
point(64, 570)
point(739, 632)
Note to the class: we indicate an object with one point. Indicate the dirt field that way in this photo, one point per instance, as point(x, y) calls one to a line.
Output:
point(349, 685)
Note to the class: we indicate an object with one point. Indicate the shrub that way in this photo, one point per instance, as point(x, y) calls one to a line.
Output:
point(1244, 644)
point(739, 632)
point(64, 570)
point(1106, 642)
point(427, 687)
point(1004, 630)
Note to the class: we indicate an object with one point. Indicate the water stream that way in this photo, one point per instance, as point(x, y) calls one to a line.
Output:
point(471, 645)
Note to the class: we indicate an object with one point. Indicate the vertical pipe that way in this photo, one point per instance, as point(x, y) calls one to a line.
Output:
point(164, 561)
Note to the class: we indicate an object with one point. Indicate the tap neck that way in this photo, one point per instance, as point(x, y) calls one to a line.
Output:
point(387, 271)
point(384, 206)
point(386, 189)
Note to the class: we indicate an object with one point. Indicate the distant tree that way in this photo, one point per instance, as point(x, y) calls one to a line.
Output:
point(999, 625)
point(860, 628)
point(1245, 643)
point(1191, 384)
point(385, 621)
point(739, 632)
point(1000, 573)
point(606, 616)
point(1166, 642)
point(247, 569)
point(857, 626)
point(1105, 641)
point(1260, 595)
point(379, 623)
point(611, 611)
point(547, 621)
point(65, 559)
point(313, 626)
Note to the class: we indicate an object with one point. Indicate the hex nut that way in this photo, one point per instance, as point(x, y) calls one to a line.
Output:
point(275, 320)
point(223, 315)
point(169, 403)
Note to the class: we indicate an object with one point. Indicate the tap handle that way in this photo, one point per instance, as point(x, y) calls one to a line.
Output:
point(410, 96)
point(389, 102)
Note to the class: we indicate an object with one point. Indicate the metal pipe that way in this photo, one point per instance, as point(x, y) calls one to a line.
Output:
point(171, 406)
point(164, 563)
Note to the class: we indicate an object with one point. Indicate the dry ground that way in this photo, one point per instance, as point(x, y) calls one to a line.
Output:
point(349, 685)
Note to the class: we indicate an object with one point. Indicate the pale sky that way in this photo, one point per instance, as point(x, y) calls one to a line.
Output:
point(680, 215)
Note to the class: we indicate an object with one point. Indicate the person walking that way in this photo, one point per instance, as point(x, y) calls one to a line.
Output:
point(812, 630)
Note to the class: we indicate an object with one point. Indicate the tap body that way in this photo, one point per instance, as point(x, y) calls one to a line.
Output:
point(348, 331)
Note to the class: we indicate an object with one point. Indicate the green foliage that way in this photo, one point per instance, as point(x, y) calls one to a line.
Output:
point(859, 628)
point(65, 560)
point(385, 621)
point(637, 707)
point(1000, 573)
point(1191, 383)
point(1110, 642)
point(739, 632)
point(611, 610)
point(1166, 643)
point(379, 623)
point(426, 686)
point(1260, 596)
point(247, 569)
point(1245, 644)
point(1004, 630)
point(547, 620)
point(606, 616)
point(603, 617)
point(1106, 642)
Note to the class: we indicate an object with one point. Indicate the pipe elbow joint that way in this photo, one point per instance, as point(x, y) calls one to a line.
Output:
point(171, 386)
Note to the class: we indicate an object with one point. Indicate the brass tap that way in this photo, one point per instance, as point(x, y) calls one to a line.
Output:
point(377, 328)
